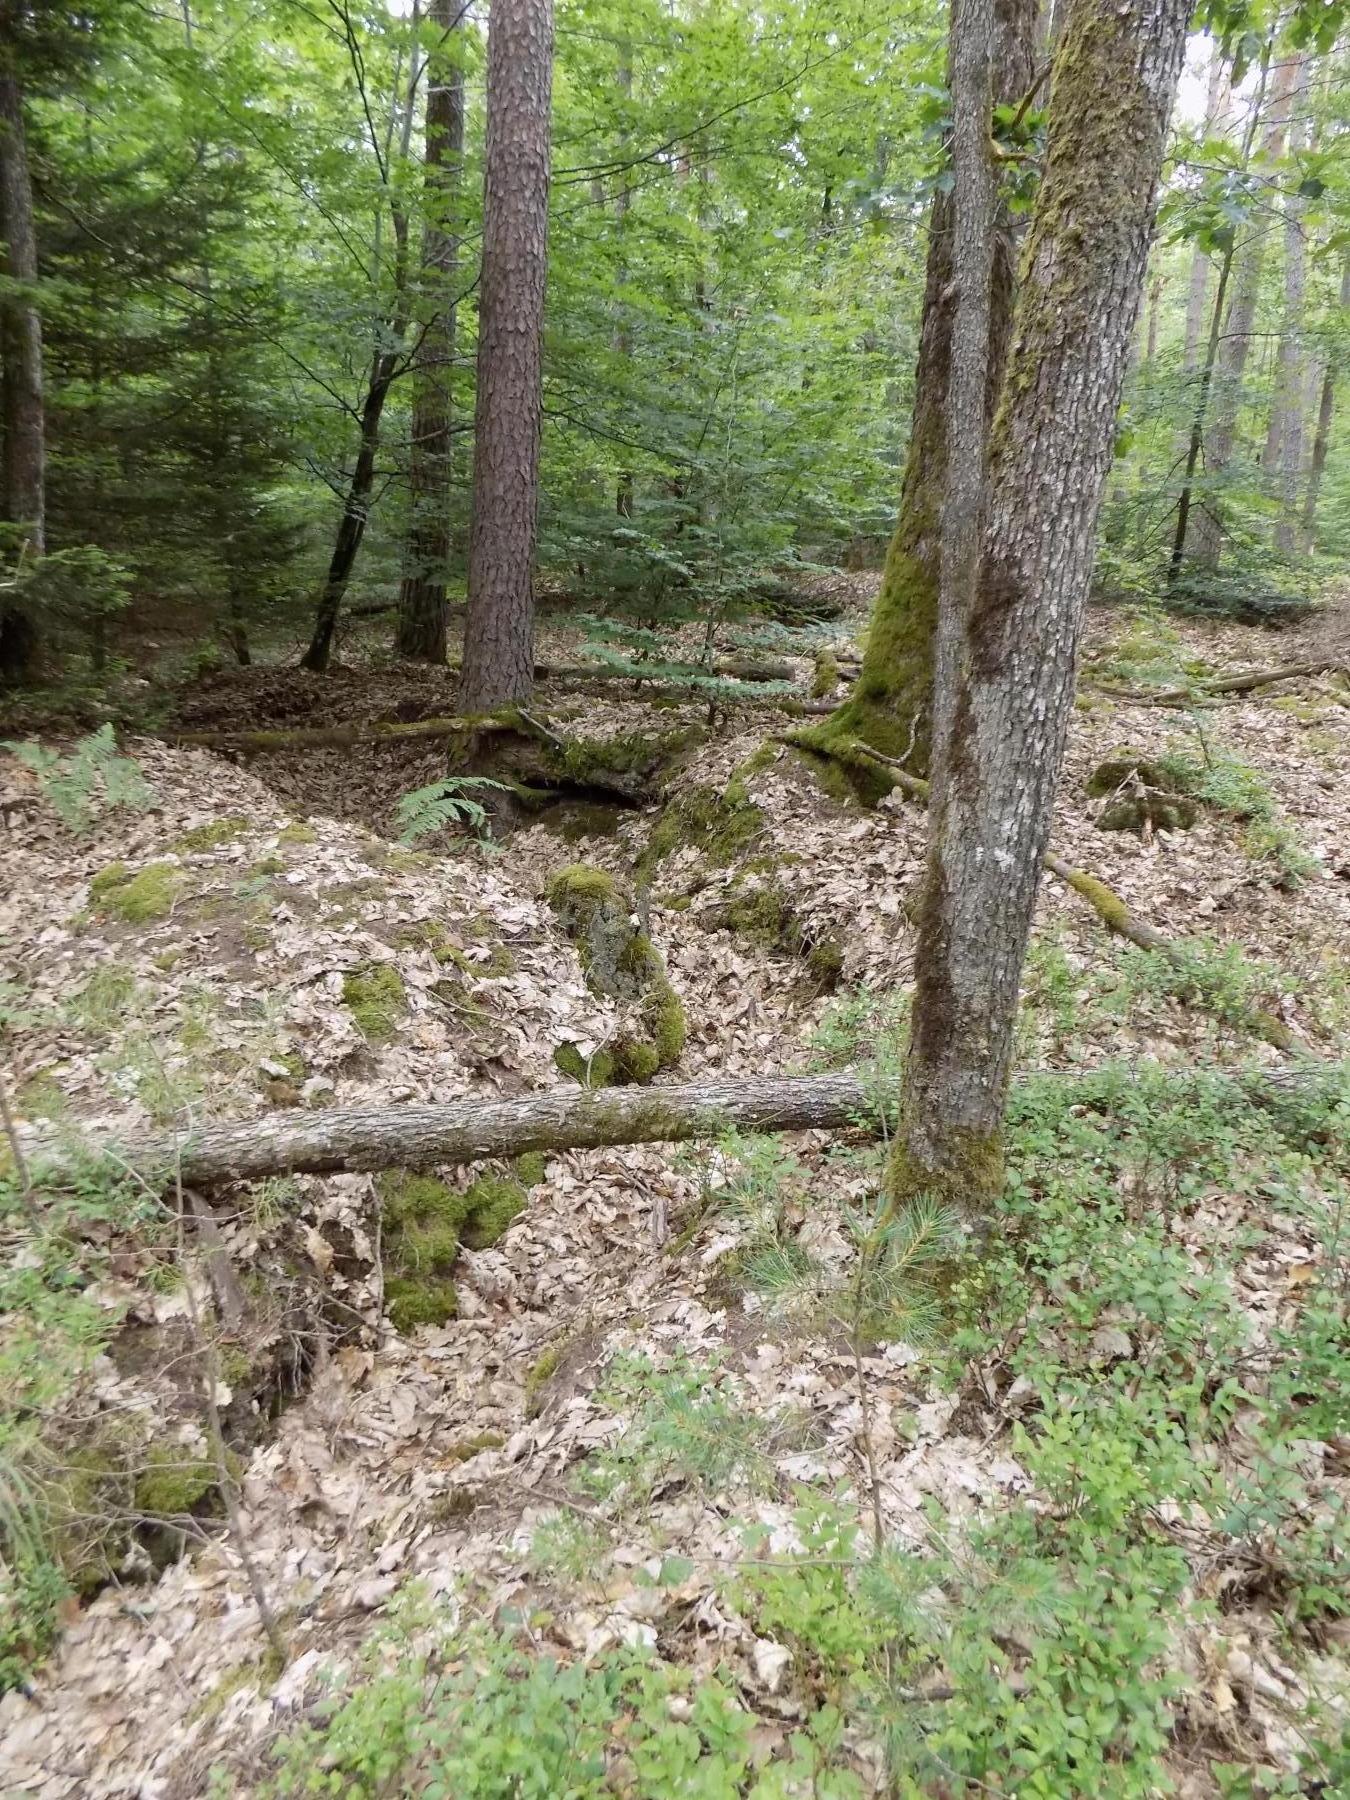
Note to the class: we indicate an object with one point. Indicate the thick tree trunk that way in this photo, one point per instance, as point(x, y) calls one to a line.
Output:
point(362, 1139)
point(891, 704)
point(499, 630)
point(23, 399)
point(1220, 439)
point(422, 604)
point(998, 754)
point(1322, 437)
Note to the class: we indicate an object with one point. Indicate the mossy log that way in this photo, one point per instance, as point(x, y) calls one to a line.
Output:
point(372, 1138)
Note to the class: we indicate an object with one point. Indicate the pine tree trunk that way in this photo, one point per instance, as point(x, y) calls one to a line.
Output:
point(891, 704)
point(22, 403)
point(1322, 438)
point(1002, 727)
point(422, 603)
point(1220, 439)
point(499, 631)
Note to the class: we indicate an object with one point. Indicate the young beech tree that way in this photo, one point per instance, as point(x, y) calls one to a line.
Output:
point(23, 399)
point(421, 604)
point(499, 629)
point(1008, 684)
point(890, 707)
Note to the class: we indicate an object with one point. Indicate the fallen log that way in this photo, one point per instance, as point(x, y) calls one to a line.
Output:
point(1243, 683)
point(366, 1139)
point(1104, 901)
point(278, 741)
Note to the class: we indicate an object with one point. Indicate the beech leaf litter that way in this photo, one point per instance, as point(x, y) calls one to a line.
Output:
point(292, 954)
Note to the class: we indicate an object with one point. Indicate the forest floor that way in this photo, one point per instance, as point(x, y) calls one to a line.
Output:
point(638, 1433)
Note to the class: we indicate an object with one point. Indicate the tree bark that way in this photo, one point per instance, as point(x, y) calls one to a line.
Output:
point(1198, 289)
point(335, 1140)
point(23, 404)
point(1283, 461)
point(891, 704)
point(1322, 436)
point(1220, 439)
point(499, 630)
point(422, 604)
point(385, 366)
point(998, 754)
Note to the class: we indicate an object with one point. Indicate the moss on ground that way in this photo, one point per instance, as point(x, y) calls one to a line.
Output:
point(210, 836)
point(767, 916)
point(825, 675)
point(530, 1169)
point(467, 1448)
point(425, 1223)
point(171, 1483)
point(719, 825)
point(620, 962)
point(138, 899)
point(297, 833)
point(1142, 795)
point(375, 996)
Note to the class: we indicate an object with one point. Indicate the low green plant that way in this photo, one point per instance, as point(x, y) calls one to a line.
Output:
point(444, 803)
point(478, 1714)
point(1242, 793)
point(83, 784)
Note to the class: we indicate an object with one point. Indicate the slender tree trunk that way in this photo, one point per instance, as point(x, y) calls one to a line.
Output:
point(1198, 290)
point(1002, 727)
point(1220, 439)
point(422, 602)
point(1322, 438)
point(891, 705)
point(623, 344)
point(22, 402)
point(384, 368)
point(499, 631)
point(1284, 439)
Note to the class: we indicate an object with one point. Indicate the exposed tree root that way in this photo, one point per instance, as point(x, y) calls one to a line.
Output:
point(1104, 901)
point(371, 1138)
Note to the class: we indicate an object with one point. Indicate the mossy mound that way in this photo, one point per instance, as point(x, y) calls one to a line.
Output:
point(825, 675)
point(621, 963)
point(767, 916)
point(425, 1224)
point(629, 762)
point(211, 835)
point(719, 825)
point(377, 1000)
point(1142, 795)
point(138, 899)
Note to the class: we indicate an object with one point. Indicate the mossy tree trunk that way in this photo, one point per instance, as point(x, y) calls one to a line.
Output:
point(1003, 723)
point(891, 704)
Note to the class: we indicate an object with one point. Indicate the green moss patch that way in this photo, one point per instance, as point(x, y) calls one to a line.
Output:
point(138, 899)
point(210, 836)
point(297, 833)
point(425, 1223)
point(1141, 795)
point(172, 1484)
point(620, 962)
point(719, 825)
point(377, 1000)
point(765, 914)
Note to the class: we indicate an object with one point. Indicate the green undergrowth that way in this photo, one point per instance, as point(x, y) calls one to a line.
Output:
point(142, 898)
point(1237, 791)
point(70, 1499)
point(1164, 1495)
